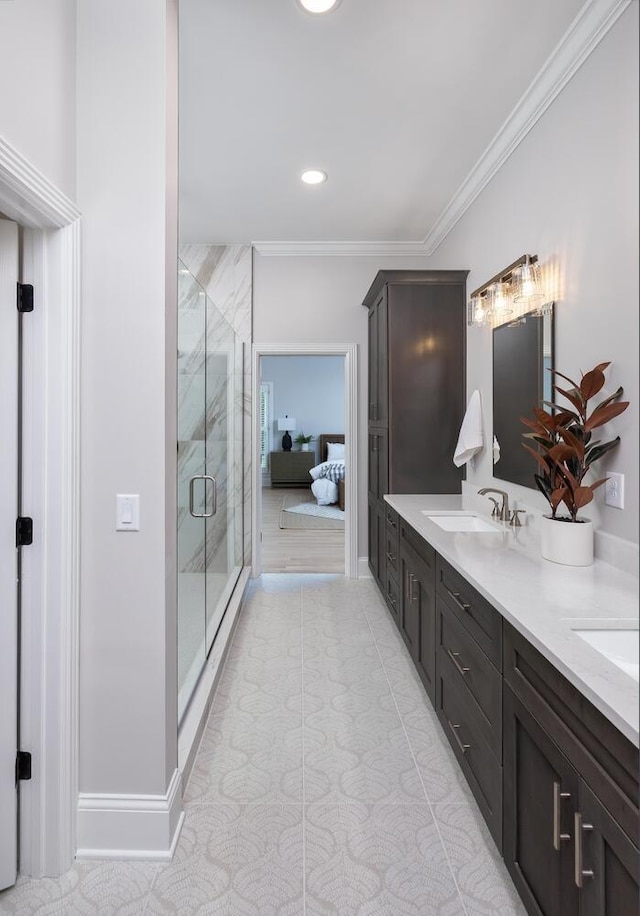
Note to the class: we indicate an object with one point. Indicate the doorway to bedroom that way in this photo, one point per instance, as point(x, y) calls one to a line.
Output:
point(302, 463)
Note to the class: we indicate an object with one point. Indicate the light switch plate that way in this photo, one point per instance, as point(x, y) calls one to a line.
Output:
point(614, 490)
point(127, 512)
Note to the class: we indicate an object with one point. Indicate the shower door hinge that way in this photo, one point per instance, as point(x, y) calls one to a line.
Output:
point(23, 765)
point(24, 531)
point(25, 297)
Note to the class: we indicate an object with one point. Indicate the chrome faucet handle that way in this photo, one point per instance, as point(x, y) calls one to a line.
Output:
point(515, 518)
point(495, 512)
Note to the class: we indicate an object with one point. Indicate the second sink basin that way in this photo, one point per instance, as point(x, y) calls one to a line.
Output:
point(618, 645)
point(462, 522)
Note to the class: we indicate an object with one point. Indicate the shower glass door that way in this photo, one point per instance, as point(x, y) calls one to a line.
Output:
point(210, 495)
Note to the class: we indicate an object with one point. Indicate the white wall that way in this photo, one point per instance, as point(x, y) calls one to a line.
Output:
point(309, 388)
point(315, 300)
point(37, 76)
point(569, 193)
point(125, 184)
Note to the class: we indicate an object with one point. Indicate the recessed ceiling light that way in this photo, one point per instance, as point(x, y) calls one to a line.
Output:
point(318, 6)
point(314, 176)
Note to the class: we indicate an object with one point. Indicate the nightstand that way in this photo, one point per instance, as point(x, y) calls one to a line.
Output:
point(291, 469)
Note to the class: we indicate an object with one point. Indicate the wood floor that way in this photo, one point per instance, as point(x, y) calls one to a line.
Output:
point(297, 550)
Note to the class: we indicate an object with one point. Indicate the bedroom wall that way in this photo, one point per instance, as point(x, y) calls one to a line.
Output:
point(309, 388)
point(569, 193)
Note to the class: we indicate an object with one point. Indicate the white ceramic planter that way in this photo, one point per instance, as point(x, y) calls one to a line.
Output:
point(568, 543)
point(304, 447)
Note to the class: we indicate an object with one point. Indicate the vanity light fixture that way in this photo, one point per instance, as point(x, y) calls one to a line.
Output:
point(517, 285)
point(314, 176)
point(318, 6)
point(528, 288)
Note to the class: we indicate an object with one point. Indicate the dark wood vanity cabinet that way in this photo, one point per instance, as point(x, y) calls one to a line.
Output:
point(571, 815)
point(555, 781)
point(416, 373)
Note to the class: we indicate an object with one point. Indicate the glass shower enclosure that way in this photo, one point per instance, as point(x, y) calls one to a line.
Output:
point(210, 475)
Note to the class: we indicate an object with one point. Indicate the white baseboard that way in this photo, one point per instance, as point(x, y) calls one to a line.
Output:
point(130, 826)
point(363, 568)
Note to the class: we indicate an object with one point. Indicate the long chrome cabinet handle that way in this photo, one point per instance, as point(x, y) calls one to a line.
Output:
point(454, 731)
point(454, 656)
point(192, 484)
point(458, 601)
point(580, 873)
point(557, 798)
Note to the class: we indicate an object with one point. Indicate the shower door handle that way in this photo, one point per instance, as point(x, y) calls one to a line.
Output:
point(192, 484)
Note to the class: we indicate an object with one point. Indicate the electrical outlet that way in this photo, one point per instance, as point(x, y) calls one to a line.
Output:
point(614, 491)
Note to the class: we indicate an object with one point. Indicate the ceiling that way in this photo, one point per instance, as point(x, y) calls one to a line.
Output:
point(396, 100)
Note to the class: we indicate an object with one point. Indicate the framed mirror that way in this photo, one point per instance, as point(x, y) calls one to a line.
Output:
point(523, 352)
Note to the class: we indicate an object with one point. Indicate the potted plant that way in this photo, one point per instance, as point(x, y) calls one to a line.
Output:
point(303, 441)
point(565, 453)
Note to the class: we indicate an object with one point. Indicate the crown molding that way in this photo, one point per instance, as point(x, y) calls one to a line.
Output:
point(585, 32)
point(340, 249)
point(29, 197)
point(583, 35)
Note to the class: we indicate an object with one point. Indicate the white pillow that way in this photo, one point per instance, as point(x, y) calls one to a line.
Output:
point(335, 451)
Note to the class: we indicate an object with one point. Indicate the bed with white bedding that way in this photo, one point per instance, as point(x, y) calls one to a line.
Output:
point(328, 476)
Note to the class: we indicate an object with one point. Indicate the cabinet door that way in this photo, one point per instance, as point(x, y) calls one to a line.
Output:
point(378, 474)
point(606, 861)
point(378, 361)
point(540, 797)
point(417, 615)
point(374, 540)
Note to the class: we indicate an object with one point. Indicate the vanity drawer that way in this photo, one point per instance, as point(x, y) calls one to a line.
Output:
point(464, 663)
point(475, 613)
point(482, 770)
point(391, 518)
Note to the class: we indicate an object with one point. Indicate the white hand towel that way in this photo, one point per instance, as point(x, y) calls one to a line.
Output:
point(471, 438)
point(496, 450)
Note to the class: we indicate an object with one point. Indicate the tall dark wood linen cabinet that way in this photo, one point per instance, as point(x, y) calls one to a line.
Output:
point(417, 337)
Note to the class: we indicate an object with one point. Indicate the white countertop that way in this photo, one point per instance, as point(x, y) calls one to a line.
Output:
point(543, 601)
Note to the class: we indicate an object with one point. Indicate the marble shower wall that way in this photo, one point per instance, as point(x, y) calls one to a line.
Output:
point(226, 273)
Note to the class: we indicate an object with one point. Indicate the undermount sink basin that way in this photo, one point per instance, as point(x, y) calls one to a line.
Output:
point(461, 522)
point(620, 646)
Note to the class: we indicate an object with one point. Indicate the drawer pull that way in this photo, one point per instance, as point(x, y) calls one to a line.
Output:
point(454, 731)
point(391, 558)
point(557, 798)
point(457, 599)
point(412, 579)
point(391, 522)
point(454, 656)
point(580, 873)
point(392, 598)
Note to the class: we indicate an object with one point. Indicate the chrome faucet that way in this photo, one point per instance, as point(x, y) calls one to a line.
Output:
point(503, 513)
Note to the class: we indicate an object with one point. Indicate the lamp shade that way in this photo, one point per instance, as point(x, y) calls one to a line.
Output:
point(286, 424)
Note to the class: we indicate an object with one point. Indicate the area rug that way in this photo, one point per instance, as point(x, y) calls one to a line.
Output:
point(309, 515)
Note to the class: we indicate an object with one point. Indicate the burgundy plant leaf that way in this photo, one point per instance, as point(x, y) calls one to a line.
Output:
point(591, 383)
point(582, 496)
point(557, 497)
point(602, 415)
point(599, 450)
point(573, 397)
point(573, 442)
point(565, 377)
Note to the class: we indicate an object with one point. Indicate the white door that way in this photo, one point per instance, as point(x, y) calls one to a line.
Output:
point(8, 553)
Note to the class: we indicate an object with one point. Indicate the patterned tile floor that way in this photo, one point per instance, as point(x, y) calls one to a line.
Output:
point(323, 785)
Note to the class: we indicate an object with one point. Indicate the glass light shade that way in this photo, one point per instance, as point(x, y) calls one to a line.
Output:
point(528, 287)
point(499, 296)
point(286, 424)
point(480, 311)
